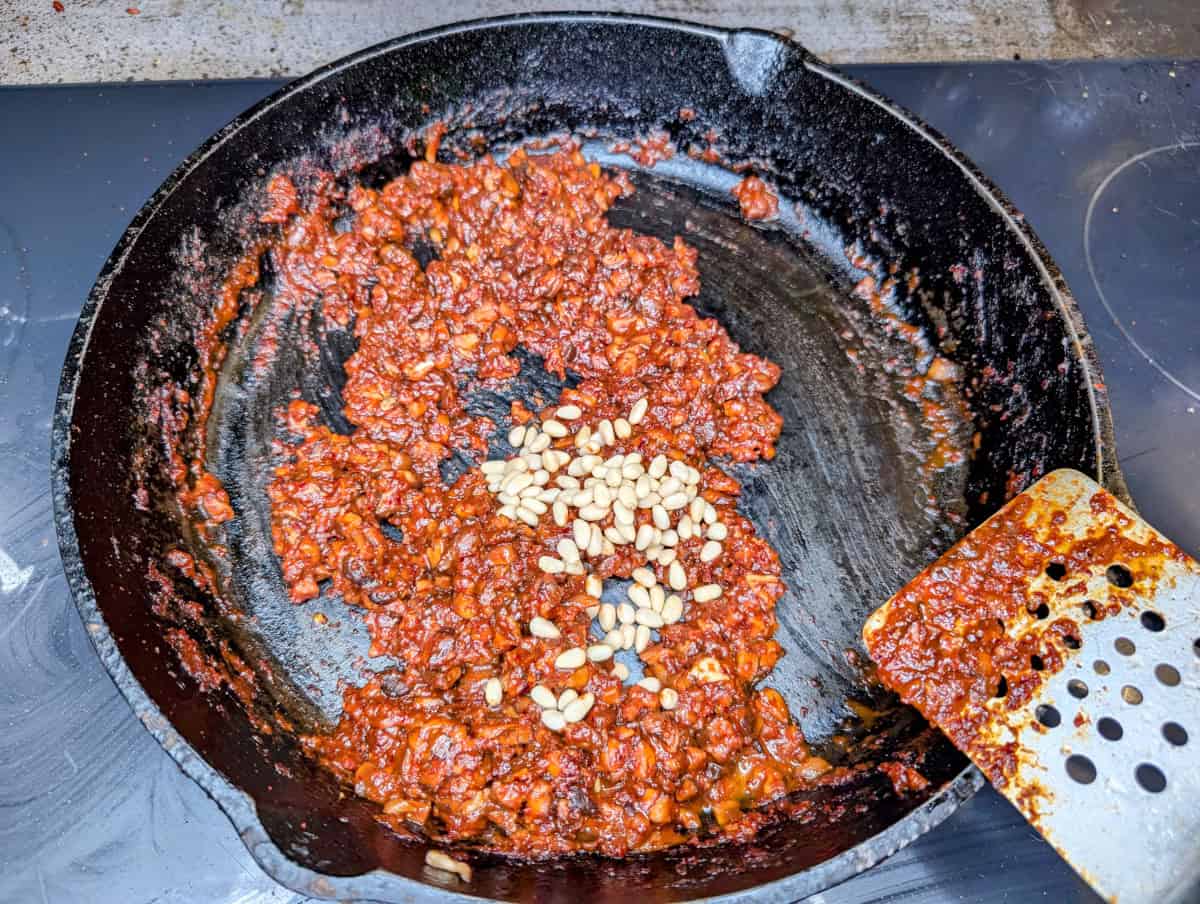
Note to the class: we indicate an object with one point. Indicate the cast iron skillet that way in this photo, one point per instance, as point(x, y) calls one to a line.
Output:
point(849, 502)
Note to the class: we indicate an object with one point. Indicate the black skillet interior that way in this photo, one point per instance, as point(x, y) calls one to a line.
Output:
point(853, 501)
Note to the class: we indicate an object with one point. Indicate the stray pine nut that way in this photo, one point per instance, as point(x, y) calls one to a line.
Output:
point(544, 628)
point(706, 593)
point(710, 551)
point(448, 864)
point(669, 698)
point(650, 683)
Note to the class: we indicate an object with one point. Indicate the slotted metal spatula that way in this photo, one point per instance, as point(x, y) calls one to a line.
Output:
point(1058, 646)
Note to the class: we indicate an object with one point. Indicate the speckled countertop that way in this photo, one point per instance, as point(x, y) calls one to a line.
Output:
point(64, 41)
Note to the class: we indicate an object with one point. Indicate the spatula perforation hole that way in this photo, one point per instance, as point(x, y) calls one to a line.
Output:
point(1081, 769)
point(1077, 689)
point(1131, 695)
point(1110, 729)
point(1151, 778)
point(1167, 674)
point(1056, 571)
point(1119, 576)
point(1124, 646)
point(1175, 734)
point(1048, 716)
point(1101, 667)
point(1152, 621)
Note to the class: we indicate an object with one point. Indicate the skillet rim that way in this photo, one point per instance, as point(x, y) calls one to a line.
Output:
point(379, 884)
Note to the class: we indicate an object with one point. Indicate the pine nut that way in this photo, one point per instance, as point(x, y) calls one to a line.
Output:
point(625, 613)
point(543, 627)
point(718, 531)
point(641, 638)
point(571, 659)
point(648, 618)
point(628, 636)
point(448, 864)
point(551, 565)
point(644, 537)
point(658, 596)
point(706, 593)
point(593, 586)
point(593, 512)
point(675, 501)
point(622, 427)
point(672, 610)
point(598, 652)
point(607, 432)
point(661, 519)
point(638, 411)
point(607, 617)
point(578, 709)
point(710, 551)
point(554, 428)
point(669, 698)
point(553, 719)
point(516, 436)
point(543, 697)
point(676, 576)
point(650, 683)
point(639, 595)
point(645, 577)
point(568, 413)
point(493, 692)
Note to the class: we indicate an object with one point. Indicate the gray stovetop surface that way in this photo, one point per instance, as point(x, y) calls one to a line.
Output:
point(92, 810)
